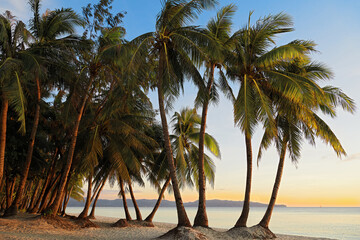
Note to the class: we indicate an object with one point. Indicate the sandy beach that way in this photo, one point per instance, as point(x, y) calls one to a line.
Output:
point(26, 226)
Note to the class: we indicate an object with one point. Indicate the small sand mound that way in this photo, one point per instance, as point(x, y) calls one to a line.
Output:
point(85, 223)
point(121, 223)
point(68, 223)
point(59, 222)
point(184, 233)
point(255, 232)
point(260, 232)
point(132, 223)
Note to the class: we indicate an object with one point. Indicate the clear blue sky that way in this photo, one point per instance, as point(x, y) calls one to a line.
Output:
point(320, 178)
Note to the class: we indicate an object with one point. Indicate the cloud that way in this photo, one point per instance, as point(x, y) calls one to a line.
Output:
point(352, 157)
point(21, 8)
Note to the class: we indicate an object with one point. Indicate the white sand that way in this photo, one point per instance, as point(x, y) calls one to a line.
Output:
point(26, 226)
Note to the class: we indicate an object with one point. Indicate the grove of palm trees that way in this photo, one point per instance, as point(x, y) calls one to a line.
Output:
point(76, 112)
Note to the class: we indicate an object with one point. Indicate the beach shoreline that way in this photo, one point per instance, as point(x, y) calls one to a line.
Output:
point(30, 226)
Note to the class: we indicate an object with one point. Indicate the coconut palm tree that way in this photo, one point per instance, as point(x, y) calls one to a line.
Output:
point(218, 28)
point(295, 121)
point(185, 138)
point(96, 65)
point(13, 40)
point(253, 65)
point(48, 31)
point(173, 45)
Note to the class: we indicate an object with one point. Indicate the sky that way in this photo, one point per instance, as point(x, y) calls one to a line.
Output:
point(319, 178)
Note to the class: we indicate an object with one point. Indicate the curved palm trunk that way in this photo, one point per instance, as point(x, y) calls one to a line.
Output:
point(137, 210)
point(183, 219)
point(4, 111)
point(48, 193)
point(201, 218)
point(24, 174)
point(266, 219)
point(84, 213)
point(56, 205)
point(66, 201)
point(92, 213)
point(50, 175)
point(158, 202)
point(246, 206)
point(34, 195)
point(10, 185)
point(123, 196)
point(26, 198)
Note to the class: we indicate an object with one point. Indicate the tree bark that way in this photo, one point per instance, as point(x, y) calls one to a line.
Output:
point(35, 194)
point(27, 194)
point(84, 213)
point(183, 219)
point(56, 205)
point(266, 219)
point(49, 190)
point(8, 192)
point(137, 210)
point(24, 174)
point(201, 218)
point(4, 111)
point(123, 196)
point(246, 206)
point(66, 201)
point(92, 213)
point(49, 177)
point(158, 202)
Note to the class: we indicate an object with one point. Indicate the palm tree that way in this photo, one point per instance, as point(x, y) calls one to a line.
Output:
point(218, 28)
point(185, 138)
point(96, 66)
point(173, 45)
point(297, 120)
point(254, 67)
point(48, 32)
point(13, 40)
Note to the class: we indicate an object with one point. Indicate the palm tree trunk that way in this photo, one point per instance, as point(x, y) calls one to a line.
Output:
point(49, 177)
point(55, 195)
point(201, 218)
point(123, 196)
point(137, 210)
point(48, 192)
point(183, 219)
point(92, 213)
point(4, 110)
point(10, 192)
point(84, 213)
point(56, 205)
point(7, 192)
point(66, 201)
point(27, 194)
point(158, 202)
point(24, 174)
point(35, 194)
point(246, 206)
point(266, 219)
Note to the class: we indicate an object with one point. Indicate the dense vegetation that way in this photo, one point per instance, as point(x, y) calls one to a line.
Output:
point(75, 109)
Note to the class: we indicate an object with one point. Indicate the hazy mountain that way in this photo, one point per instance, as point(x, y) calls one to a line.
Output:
point(166, 203)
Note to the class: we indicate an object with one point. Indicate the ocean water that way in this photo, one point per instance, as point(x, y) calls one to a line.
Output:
point(336, 223)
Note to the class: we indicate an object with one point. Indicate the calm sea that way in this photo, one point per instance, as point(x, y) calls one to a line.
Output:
point(338, 223)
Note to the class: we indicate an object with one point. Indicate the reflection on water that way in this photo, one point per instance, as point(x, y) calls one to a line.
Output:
point(339, 223)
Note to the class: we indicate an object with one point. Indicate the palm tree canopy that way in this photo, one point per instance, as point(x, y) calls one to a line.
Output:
point(295, 121)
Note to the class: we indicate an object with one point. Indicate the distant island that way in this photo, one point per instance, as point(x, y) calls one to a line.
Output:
point(166, 203)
